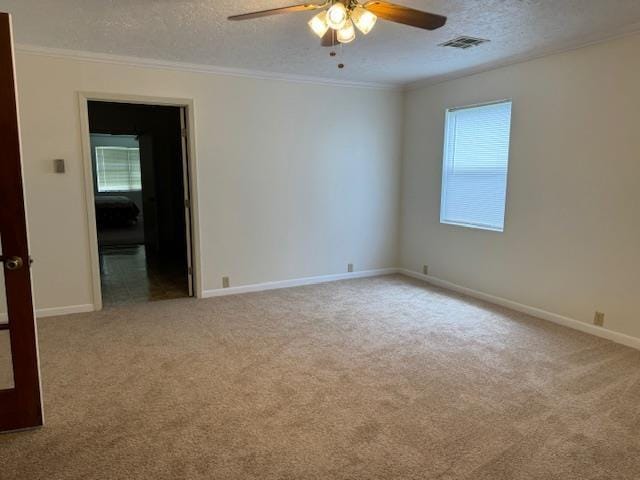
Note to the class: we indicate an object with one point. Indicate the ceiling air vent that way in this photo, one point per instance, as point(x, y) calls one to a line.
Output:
point(464, 42)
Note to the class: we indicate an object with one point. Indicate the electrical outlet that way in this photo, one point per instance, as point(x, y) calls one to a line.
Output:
point(225, 282)
point(425, 269)
point(598, 319)
point(350, 267)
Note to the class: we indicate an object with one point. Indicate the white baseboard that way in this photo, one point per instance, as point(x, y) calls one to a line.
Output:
point(296, 282)
point(55, 311)
point(617, 337)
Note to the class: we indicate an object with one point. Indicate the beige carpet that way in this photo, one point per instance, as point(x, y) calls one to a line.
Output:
point(381, 378)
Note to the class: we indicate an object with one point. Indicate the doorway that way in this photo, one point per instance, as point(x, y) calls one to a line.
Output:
point(140, 183)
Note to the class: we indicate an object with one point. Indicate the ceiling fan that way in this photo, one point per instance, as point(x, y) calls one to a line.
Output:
point(335, 23)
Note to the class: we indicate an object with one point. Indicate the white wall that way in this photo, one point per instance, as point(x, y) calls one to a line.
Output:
point(295, 179)
point(571, 243)
point(292, 186)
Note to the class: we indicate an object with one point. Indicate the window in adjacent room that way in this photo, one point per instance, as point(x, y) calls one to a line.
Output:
point(474, 169)
point(118, 169)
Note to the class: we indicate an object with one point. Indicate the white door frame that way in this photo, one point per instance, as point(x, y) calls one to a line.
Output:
point(83, 99)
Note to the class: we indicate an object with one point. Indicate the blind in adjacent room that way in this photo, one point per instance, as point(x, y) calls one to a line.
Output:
point(118, 169)
point(474, 173)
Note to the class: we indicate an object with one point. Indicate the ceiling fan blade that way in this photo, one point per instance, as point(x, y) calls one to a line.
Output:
point(330, 38)
point(406, 15)
point(275, 11)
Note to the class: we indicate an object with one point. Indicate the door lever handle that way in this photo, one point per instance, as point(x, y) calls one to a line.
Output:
point(11, 263)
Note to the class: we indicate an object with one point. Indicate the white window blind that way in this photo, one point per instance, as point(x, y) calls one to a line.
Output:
point(118, 169)
point(474, 173)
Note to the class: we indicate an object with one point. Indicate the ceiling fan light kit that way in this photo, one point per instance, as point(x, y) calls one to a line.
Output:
point(342, 17)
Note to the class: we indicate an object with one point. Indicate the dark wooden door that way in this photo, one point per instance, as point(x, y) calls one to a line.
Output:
point(20, 403)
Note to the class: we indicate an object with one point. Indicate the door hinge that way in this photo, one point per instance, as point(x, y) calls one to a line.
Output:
point(183, 132)
point(190, 270)
point(187, 203)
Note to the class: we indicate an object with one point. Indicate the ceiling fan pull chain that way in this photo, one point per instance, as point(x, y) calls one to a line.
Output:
point(341, 64)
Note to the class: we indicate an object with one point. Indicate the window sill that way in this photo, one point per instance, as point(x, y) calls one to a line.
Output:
point(472, 226)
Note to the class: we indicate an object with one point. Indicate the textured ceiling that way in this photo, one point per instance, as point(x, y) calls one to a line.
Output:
point(197, 32)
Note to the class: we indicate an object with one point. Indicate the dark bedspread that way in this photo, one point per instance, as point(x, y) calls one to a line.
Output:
point(116, 211)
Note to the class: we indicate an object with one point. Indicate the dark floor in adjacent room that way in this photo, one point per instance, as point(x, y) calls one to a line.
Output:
point(377, 378)
point(128, 276)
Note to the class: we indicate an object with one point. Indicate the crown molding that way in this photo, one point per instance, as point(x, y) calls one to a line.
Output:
point(470, 72)
point(140, 62)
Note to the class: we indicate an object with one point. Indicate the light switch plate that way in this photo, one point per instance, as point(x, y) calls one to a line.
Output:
point(58, 165)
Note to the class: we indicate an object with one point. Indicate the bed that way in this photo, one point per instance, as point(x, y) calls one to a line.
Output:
point(116, 211)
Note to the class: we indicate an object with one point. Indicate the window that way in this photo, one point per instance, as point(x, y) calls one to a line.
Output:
point(118, 169)
point(474, 170)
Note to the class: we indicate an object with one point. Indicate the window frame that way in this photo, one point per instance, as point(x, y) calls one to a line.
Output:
point(445, 155)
